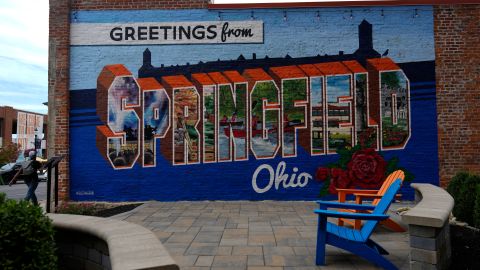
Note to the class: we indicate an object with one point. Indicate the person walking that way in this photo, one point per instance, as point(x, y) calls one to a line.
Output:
point(29, 171)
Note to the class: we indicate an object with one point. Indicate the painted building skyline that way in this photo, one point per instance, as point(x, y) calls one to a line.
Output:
point(313, 37)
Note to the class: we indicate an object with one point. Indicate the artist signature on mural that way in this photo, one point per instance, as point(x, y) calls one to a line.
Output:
point(279, 177)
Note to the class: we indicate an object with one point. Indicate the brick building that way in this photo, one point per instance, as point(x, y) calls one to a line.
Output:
point(18, 126)
point(172, 74)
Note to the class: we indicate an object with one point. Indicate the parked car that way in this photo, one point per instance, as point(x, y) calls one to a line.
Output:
point(42, 176)
point(8, 171)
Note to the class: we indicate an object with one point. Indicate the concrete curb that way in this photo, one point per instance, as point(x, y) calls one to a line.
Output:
point(130, 246)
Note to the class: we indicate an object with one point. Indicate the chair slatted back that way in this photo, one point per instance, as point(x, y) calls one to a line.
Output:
point(381, 207)
point(398, 174)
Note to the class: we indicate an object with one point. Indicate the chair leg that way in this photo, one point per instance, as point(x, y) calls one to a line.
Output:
point(321, 240)
point(341, 198)
point(340, 222)
point(358, 224)
point(392, 225)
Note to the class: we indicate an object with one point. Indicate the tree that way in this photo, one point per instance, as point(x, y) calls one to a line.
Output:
point(9, 153)
point(391, 79)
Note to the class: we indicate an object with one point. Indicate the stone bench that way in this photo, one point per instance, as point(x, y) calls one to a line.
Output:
point(128, 246)
point(429, 229)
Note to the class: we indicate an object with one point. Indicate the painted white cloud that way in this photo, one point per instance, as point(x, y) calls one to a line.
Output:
point(24, 54)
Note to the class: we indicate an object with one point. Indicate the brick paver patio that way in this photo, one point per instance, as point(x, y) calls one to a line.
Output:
point(252, 235)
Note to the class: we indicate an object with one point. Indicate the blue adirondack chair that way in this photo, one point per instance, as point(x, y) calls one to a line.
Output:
point(355, 241)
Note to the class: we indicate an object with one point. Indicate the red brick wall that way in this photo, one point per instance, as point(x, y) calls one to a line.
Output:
point(457, 35)
point(137, 4)
point(457, 51)
point(58, 95)
point(9, 115)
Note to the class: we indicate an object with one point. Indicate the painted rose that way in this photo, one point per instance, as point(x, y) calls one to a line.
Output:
point(367, 169)
point(322, 174)
point(339, 179)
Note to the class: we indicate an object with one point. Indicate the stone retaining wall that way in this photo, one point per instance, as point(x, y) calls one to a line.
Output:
point(430, 247)
point(78, 250)
point(429, 228)
point(102, 243)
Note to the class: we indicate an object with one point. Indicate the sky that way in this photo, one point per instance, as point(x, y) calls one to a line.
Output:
point(24, 54)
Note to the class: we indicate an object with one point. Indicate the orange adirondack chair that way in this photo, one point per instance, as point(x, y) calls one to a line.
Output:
point(376, 195)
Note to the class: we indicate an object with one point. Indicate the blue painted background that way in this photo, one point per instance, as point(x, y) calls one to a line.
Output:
point(408, 38)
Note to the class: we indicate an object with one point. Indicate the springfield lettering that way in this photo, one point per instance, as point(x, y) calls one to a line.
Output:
point(168, 33)
point(230, 116)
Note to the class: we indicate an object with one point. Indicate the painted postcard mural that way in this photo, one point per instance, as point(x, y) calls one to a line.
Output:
point(249, 104)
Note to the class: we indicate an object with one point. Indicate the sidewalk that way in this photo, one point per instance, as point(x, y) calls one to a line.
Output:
point(19, 190)
point(252, 235)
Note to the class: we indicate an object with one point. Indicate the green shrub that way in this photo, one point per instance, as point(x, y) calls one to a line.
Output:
point(456, 183)
point(462, 187)
point(476, 208)
point(86, 209)
point(454, 188)
point(26, 236)
point(467, 198)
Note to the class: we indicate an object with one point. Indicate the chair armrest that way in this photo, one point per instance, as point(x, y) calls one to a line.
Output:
point(343, 192)
point(351, 191)
point(346, 215)
point(371, 196)
point(359, 197)
point(354, 206)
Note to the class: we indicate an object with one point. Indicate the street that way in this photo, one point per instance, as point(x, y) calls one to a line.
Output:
point(19, 190)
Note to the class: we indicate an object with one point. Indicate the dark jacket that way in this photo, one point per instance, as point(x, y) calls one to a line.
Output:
point(34, 176)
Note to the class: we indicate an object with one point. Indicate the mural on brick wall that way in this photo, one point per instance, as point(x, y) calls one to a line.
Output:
point(222, 107)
